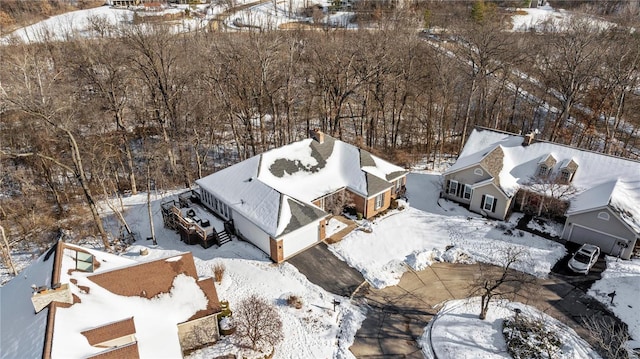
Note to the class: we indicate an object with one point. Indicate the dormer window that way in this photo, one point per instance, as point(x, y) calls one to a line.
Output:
point(568, 170)
point(543, 170)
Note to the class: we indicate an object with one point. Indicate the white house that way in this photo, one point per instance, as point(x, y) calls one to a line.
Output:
point(278, 200)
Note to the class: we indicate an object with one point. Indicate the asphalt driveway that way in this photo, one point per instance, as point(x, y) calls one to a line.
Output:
point(397, 314)
point(324, 269)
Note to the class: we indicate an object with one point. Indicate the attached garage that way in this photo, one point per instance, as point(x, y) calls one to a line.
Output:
point(608, 244)
point(301, 239)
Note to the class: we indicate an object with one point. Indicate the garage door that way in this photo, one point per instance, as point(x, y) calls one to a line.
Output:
point(300, 239)
point(585, 235)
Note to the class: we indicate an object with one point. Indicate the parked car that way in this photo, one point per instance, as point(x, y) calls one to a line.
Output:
point(584, 258)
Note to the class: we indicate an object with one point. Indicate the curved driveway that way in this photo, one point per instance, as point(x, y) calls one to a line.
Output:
point(398, 314)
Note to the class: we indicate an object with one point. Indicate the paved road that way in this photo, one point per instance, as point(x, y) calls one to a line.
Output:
point(324, 269)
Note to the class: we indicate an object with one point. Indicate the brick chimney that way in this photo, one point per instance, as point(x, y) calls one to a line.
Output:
point(317, 135)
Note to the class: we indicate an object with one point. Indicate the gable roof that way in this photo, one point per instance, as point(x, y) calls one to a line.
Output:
point(599, 180)
point(146, 279)
point(620, 196)
point(275, 189)
point(108, 304)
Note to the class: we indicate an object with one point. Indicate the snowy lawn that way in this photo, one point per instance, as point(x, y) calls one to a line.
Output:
point(423, 231)
point(623, 277)
point(456, 332)
point(548, 18)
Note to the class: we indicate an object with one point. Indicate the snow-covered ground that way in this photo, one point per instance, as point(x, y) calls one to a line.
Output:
point(98, 21)
point(546, 18)
point(314, 331)
point(422, 232)
point(427, 229)
point(456, 332)
point(623, 278)
point(60, 27)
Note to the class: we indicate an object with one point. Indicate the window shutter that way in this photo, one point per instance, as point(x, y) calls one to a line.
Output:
point(482, 202)
point(458, 191)
point(493, 206)
point(448, 185)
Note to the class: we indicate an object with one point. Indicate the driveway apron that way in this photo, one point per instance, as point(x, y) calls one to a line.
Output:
point(324, 269)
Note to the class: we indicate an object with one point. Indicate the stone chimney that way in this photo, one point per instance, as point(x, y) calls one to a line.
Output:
point(528, 139)
point(43, 296)
point(317, 135)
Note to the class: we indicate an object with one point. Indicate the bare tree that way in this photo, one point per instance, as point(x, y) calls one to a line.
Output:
point(6, 253)
point(551, 195)
point(258, 324)
point(609, 335)
point(569, 61)
point(500, 282)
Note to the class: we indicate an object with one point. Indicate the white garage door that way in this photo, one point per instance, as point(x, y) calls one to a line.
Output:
point(606, 243)
point(300, 239)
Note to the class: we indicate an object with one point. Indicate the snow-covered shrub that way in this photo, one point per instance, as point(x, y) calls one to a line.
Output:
point(218, 271)
point(294, 301)
point(226, 323)
point(530, 338)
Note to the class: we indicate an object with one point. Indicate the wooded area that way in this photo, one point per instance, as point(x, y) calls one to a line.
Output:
point(141, 108)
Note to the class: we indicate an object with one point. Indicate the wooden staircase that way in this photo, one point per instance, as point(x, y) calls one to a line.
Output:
point(223, 237)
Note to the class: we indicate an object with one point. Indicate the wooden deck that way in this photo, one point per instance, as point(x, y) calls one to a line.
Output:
point(196, 224)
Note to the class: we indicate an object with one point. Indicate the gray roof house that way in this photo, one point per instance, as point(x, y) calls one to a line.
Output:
point(280, 200)
point(598, 194)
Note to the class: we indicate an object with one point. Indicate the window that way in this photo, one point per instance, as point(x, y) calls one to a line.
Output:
point(453, 187)
point(478, 171)
point(543, 170)
point(379, 201)
point(467, 192)
point(84, 262)
point(565, 176)
point(603, 216)
point(489, 203)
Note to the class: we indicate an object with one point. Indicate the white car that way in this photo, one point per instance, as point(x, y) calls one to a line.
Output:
point(584, 258)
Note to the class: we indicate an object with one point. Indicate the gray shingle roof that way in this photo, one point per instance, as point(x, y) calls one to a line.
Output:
point(376, 185)
point(301, 215)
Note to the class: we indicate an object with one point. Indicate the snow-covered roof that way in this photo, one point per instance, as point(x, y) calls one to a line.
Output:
point(622, 197)
point(266, 187)
point(150, 298)
point(600, 179)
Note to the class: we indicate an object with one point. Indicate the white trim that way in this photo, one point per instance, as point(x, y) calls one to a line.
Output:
point(546, 168)
point(453, 190)
point(486, 201)
point(478, 172)
point(594, 230)
point(464, 192)
point(376, 205)
point(604, 216)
